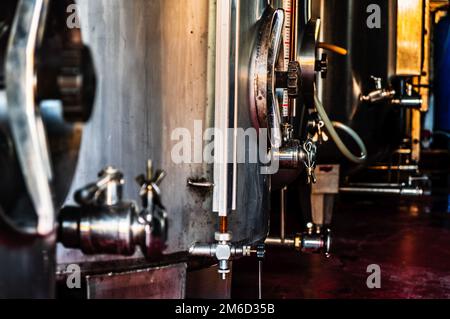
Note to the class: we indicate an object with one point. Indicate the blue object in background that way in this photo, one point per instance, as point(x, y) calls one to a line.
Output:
point(448, 204)
point(442, 70)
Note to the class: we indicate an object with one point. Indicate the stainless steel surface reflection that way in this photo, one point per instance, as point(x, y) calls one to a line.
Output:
point(156, 74)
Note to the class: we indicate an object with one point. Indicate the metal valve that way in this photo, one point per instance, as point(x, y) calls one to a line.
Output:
point(153, 212)
point(223, 251)
point(314, 240)
point(379, 94)
point(104, 223)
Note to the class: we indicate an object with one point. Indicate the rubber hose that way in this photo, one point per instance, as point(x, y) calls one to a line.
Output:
point(330, 126)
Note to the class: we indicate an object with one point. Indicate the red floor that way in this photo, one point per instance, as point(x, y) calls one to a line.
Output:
point(409, 241)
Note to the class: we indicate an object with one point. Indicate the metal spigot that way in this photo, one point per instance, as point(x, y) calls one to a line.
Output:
point(104, 223)
point(379, 94)
point(313, 240)
point(223, 251)
point(400, 93)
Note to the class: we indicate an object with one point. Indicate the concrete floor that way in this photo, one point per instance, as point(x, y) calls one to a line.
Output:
point(409, 240)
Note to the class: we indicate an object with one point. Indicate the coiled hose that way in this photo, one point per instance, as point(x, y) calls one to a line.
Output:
point(330, 126)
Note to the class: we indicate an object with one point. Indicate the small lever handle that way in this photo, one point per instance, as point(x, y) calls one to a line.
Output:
point(378, 82)
point(86, 195)
point(89, 194)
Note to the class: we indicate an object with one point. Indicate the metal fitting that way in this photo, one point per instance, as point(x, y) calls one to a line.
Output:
point(246, 251)
point(222, 237)
point(290, 157)
point(379, 94)
point(105, 224)
point(261, 251)
point(223, 252)
point(408, 101)
point(223, 255)
point(311, 241)
point(314, 242)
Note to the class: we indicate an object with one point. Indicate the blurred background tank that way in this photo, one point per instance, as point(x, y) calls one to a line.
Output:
point(345, 24)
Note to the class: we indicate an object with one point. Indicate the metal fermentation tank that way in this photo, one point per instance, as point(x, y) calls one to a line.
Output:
point(382, 126)
point(155, 66)
point(345, 24)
